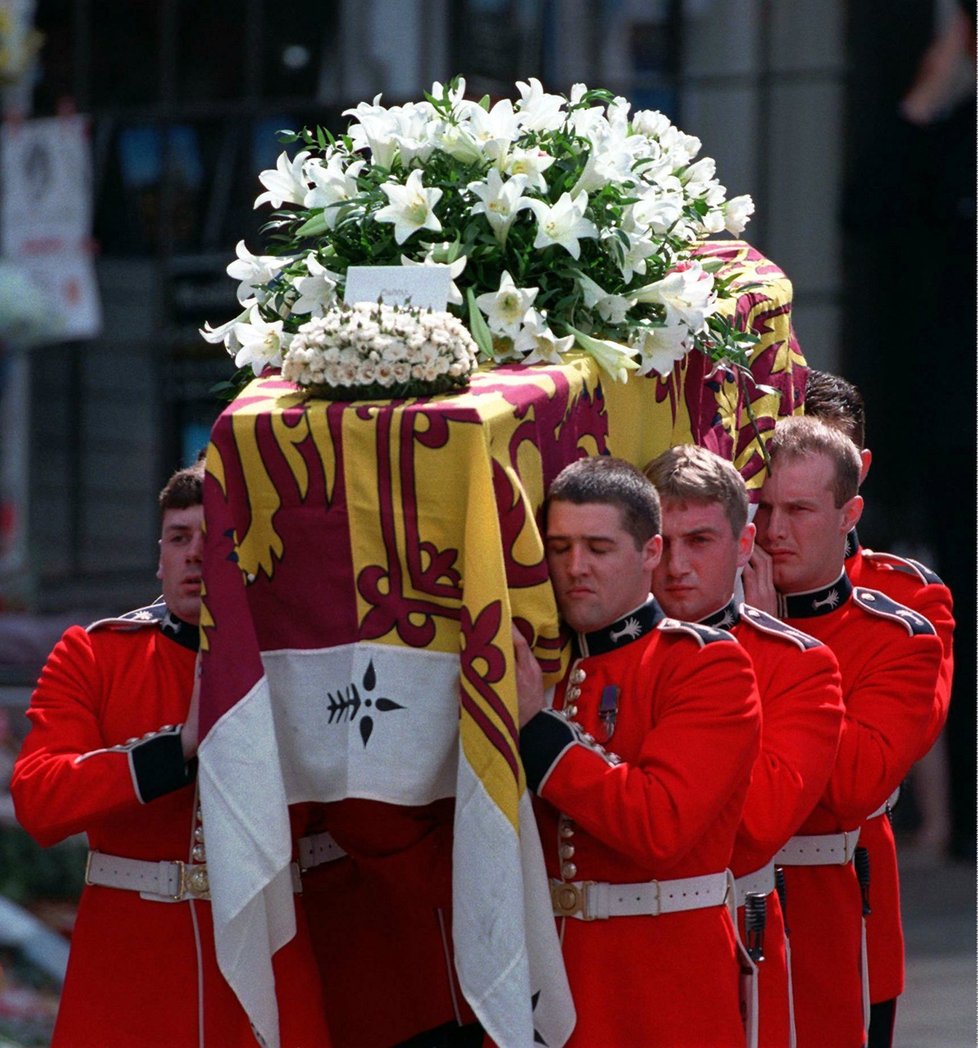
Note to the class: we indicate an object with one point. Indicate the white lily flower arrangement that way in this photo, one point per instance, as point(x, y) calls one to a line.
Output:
point(368, 351)
point(565, 223)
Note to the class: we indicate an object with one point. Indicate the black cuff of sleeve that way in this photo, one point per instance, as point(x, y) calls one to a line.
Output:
point(158, 766)
point(542, 740)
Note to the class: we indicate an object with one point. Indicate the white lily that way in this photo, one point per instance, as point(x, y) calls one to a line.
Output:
point(506, 307)
point(411, 207)
point(374, 131)
point(262, 344)
point(660, 347)
point(537, 110)
point(333, 185)
point(611, 308)
point(686, 292)
point(454, 96)
point(225, 333)
point(254, 270)
point(658, 209)
point(564, 223)
point(317, 291)
point(413, 132)
point(285, 183)
point(458, 142)
point(492, 131)
point(500, 201)
point(455, 270)
point(528, 162)
point(537, 344)
point(737, 214)
point(680, 147)
point(699, 175)
point(612, 357)
point(712, 222)
point(650, 123)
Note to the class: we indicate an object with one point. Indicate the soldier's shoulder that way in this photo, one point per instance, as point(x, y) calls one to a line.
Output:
point(770, 626)
point(879, 561)
point(703, 635)
point(131, 621)
point(880, 605)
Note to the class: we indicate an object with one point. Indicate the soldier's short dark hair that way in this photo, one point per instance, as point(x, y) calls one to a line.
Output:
point(184, 488)
point(797, 436)
point(615, 482)
point(837, 403)
point(689, 473)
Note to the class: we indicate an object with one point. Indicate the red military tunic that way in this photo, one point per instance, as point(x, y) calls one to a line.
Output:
point(800, 689)
point(890, 658)
point(664, 805)
point(389, 901)
point(917, 587)
point(104, 757)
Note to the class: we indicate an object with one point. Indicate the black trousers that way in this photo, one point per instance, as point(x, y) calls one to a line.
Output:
point(451, 1035)
point(882, 1018)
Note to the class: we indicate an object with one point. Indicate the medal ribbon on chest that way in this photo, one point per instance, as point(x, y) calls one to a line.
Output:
point(608, 709)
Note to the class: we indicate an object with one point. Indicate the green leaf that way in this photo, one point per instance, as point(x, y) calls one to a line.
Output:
point(613, 358)
point(478, 326)
point(313, 227)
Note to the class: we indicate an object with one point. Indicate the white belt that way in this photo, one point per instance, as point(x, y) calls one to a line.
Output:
point(826, 849)
point(888, 805)
point(598, 900)
point(317, 849)
point(166, 881)
point(760, 882)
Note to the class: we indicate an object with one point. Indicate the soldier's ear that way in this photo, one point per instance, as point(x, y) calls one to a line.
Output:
point(866, 460)
point(652, 552)
point(851, 512)
point(745, 544)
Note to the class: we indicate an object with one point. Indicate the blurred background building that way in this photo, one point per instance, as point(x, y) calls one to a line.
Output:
point(868, 205)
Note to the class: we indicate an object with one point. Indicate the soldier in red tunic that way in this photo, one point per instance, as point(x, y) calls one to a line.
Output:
point(890, 659)
point(706, 538)
point(640, 768)
point(840, 405)
point(108, 755)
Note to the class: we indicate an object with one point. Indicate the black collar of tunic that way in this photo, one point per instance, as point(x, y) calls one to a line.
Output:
point(852, 544)
point(816, 602)
point(628, 628)
point(185, 634)
point(724, 618)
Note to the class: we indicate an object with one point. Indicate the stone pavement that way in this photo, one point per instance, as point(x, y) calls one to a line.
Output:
point(937, 1009)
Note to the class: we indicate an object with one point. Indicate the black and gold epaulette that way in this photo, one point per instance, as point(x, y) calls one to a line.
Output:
point(703, 634)
point(880, 604)
point(904, 565)
point(151, 615)
point(766, 623)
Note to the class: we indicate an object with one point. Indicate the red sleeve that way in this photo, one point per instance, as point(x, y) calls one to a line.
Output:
point(917, 587)
point(801, 698)
point(934, 602)
point(889, 708)
point(68, 774)
point(697, 755)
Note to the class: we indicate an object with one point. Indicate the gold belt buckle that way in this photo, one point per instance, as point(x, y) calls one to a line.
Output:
point(192, 881)
point(570, 900)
